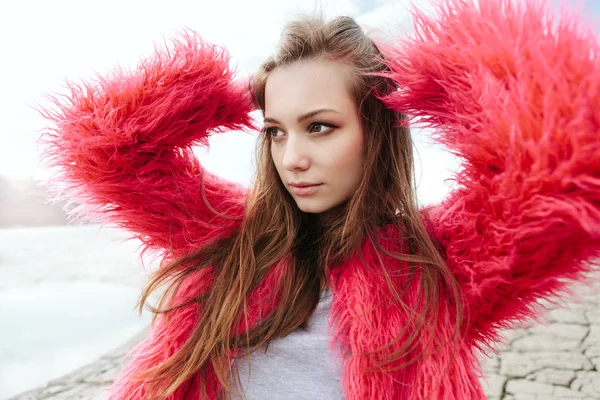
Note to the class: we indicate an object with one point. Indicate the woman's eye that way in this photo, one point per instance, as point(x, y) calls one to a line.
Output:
point(272, 131)
point(320, 128)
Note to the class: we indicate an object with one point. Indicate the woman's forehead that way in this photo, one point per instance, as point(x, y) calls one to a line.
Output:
point(293, 90)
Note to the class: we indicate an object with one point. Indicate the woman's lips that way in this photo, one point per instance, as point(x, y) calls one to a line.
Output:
point(305, 190)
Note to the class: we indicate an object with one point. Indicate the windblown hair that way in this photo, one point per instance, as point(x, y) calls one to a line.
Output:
point(275, 231)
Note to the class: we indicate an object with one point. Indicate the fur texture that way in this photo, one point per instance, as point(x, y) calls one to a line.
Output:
point(505, 85)
point(122, 146)
point(520, 107)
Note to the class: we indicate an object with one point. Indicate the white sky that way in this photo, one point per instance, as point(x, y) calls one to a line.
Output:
point(45, 42)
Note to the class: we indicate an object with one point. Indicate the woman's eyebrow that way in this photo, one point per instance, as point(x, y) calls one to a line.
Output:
point(304, 116)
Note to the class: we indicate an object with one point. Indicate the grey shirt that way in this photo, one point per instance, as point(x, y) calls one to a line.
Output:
point(298, 366)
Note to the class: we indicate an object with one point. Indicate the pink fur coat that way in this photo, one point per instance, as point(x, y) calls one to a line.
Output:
point(508, 87)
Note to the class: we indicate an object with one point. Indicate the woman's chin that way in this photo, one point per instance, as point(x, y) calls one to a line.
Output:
point(312, 206)
point(316, 206)
point(312, 209)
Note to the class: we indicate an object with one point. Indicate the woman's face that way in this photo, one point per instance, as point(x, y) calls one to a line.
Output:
point(316, 137)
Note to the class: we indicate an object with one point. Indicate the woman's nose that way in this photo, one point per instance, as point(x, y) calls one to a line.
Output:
point(295, 156)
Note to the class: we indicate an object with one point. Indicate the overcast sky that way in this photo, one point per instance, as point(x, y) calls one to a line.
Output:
point(45, 42)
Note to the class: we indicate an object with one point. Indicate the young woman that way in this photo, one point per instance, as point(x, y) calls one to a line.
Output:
point(325, 280)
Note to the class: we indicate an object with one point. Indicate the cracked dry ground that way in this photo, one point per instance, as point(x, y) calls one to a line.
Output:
point(559, 360)
point(556, 361)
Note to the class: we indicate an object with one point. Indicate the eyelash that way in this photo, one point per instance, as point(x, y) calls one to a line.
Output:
point(266, 130)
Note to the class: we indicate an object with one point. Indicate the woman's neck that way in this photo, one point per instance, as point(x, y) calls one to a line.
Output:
point(331, 216)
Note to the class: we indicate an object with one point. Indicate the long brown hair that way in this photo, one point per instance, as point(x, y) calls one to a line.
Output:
point(274, 229)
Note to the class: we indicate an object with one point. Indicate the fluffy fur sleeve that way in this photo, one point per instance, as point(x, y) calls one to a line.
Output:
point(121, 146)
point(513, 89)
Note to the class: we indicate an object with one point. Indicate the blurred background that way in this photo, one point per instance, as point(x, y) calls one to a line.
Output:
point(67, 291)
